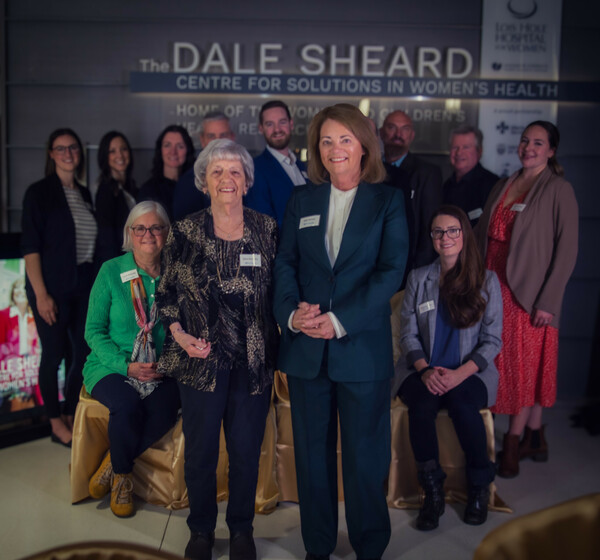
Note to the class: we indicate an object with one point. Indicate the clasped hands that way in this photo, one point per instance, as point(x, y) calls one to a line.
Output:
point(143, 371)
point(309, 320)
point(439, 380)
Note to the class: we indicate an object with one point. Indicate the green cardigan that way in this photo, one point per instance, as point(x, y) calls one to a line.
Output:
point(110, 327)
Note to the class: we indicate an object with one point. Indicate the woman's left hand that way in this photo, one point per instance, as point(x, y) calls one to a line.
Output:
point(450, 378)
point(319, 327)
point(541, 318)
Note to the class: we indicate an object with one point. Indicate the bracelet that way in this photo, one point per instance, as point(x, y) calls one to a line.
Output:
point(422, 371)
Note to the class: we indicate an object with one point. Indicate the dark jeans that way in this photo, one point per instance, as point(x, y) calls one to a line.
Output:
point(244, 417)
point(364, 416)
point(134, 424)
point(55, 339)
point(463, 404)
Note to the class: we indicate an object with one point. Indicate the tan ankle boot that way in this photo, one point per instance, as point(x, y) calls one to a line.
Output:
point(101, 480)
point(121, 496)
point(509, 460)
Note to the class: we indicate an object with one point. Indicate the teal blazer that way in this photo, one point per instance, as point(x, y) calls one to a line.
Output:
point(368, 271)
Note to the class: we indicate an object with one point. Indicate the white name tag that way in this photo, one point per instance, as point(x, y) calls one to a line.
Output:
point(474, 214)
point(304, 174)
point(129, 275)
point(310, 221)
point(252, 259)
point(518, 207)
point(427, 306)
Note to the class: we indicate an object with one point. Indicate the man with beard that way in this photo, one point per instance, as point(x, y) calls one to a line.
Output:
point(421, 183)
point(187, 198)
point(276, 170)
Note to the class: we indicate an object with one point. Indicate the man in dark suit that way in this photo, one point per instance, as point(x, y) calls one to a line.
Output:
point(187, 199)
point(421, 183)
point(276, 170)
point(471, 183)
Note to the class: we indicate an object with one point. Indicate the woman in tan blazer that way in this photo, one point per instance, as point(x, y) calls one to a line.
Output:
point(528, 234)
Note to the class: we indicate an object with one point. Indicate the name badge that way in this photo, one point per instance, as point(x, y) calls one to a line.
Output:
point(129, 275)
point(252, 259)
point(310, 221)
point(474, 214)
point(518, 207)
point(427, 306)
point(304, 174)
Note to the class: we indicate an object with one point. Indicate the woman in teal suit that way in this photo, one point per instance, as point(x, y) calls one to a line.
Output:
point(341, 257)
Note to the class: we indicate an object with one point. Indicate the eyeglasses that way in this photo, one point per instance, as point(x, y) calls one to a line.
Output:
point(452, 233)
point(140, 231)
point(73, 148)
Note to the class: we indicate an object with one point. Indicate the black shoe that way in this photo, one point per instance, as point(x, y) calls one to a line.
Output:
point(310, 556)
point(241, 546)
point(55, 439)
point(431, 477)
point(477, 505)
point(199, 547)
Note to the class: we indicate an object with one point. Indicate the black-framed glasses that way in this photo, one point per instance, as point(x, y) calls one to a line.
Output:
point(140, 231)
point(452, 233)
point(73, 148)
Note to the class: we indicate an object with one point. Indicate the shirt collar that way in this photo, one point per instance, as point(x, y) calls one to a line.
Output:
point(290, 159)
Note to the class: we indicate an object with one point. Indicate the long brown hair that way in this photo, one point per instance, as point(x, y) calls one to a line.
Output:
point(463, 283)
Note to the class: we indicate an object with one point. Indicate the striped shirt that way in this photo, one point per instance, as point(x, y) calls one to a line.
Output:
point(86, 228)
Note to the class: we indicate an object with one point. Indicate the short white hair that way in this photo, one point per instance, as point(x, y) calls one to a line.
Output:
point(139, 210)
point(227, 150)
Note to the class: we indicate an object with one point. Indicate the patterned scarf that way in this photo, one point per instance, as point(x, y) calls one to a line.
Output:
point(143, 345)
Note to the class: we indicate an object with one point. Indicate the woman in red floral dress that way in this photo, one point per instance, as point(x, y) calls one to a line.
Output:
point(528, 233)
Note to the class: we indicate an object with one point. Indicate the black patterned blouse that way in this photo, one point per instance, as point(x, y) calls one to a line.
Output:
point(220, 291)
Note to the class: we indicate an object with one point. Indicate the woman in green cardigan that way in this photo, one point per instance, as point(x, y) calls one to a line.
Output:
point(126, 339)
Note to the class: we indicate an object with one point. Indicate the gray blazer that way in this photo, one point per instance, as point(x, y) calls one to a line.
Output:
point(480, 343)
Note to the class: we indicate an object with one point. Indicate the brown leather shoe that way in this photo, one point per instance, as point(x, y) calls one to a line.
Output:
point(508, 466)
point(102, 479)
point(121, 495)
point(533, 445)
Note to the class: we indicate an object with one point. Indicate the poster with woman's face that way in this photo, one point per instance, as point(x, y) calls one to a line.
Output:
point(20, 348)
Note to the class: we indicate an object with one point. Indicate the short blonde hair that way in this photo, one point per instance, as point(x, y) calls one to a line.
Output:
point(139, 210)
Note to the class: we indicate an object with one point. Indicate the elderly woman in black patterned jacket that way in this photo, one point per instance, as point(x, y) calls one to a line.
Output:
point(215, 298)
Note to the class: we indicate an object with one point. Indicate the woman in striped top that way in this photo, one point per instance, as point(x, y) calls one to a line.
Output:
point(58, 242)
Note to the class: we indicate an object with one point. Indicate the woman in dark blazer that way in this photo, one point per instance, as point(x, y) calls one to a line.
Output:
point(341, 258)
point(116, 194)
point(58, 242)
point(451, 329)
point(173, 156)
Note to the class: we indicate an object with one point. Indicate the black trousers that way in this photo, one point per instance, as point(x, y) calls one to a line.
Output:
point(134, 424)
point(55, 339)
point(244, 417)
point(463, 404)
point(364, 414)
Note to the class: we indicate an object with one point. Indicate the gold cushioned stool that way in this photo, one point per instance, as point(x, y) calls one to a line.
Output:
point(158, 476)
point(567, 530)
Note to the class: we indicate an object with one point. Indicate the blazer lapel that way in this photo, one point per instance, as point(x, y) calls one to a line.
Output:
point(365, 209)
point(317, 204)
point(432, 292)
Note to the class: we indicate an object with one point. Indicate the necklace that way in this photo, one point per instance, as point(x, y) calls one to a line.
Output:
point(228, 233)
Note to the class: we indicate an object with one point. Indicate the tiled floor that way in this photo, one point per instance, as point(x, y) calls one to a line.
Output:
point(35, 512)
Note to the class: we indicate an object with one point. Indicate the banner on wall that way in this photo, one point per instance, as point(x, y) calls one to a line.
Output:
point(520, 39)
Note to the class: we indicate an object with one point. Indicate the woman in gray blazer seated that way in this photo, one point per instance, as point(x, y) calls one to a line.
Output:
point(451, 332)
